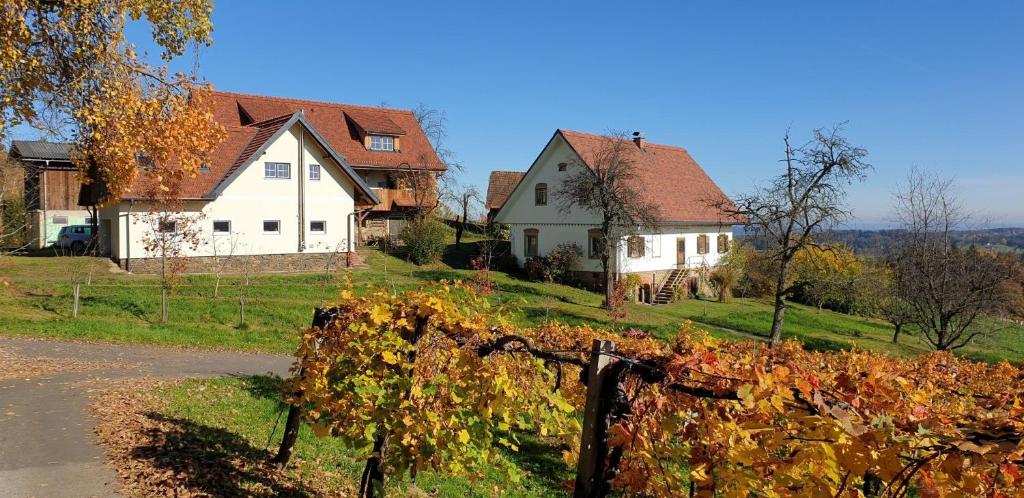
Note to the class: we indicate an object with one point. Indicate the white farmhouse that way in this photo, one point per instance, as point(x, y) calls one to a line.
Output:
point(691, 237)
point(295, 185)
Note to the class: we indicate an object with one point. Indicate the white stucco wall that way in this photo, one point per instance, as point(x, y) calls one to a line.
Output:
point(250, 199)
point(659, 252)
point(555, 227)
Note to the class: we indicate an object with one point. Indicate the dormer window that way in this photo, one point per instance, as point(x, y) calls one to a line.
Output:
point(204, 168)
point(382, 142)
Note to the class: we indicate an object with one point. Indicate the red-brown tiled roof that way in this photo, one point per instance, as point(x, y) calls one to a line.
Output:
point(668, 175)
point(222, 159)
point(499, 186)
point(339, 123)
point(374, 122)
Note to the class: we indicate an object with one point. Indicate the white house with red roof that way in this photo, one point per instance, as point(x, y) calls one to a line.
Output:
point(691, 236)
point(295, 182)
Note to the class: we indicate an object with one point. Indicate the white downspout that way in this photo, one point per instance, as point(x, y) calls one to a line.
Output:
point(302, 192)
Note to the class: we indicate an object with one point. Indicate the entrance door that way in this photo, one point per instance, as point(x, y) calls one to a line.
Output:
point(681, 252)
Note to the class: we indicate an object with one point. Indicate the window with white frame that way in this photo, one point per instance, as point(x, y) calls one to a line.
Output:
point(656, 246)
point(60, 220)
point(382, 142)
point(167, 226)
point(318, 226)
point(282, 171)
point(272, 226)
point(314, 172)
point(221, 227)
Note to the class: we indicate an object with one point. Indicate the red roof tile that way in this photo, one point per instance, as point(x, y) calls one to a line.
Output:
point(499, 186)
point(374, 122)
point(339, 124)
point(668, 175)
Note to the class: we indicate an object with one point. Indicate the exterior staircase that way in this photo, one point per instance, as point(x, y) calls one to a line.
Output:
point(667, 290)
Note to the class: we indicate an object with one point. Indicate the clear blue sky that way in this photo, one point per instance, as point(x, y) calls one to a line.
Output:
point(939, 85)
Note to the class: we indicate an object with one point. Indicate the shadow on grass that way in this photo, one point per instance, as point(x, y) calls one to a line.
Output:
point(129, 307)
point(211, 461)
point(821, 344)
point(459, 258)
point(522, 289)
point(542, 460)
point(266, 387)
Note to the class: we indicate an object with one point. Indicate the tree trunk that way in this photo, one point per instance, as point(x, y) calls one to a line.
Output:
point(609, 282)
point(241, 311)
point(780, 306)
point(163, 305)
point(291, 434)
point(897, 328)
point(372, 480)
point(458, 231)
point(77, 292)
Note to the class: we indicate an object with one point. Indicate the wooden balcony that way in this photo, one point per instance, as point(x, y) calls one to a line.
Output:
point(394, 198)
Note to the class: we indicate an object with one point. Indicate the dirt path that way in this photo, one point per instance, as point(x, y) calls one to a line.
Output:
point(47, 447)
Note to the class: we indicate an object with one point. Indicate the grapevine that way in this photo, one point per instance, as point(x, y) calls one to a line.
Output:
point(439, 378)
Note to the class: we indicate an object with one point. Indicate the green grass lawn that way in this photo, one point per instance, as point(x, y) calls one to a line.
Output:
point(120, 307)
point(241, 413)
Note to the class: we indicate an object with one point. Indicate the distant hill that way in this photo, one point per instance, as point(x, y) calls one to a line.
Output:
point(876, 242)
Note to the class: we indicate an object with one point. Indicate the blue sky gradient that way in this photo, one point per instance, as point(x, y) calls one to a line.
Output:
point(936, 85)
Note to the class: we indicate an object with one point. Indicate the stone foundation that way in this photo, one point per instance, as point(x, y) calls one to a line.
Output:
point(257, 263)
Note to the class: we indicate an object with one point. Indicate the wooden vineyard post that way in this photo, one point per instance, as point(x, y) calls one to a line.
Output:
point(321, 317)
point(593, 444)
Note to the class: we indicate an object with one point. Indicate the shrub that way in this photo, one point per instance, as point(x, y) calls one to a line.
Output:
point(680, 293)
point(424, 238)
point(724, 279)
point(563, 259)
point(631, 282)
point(757, 271)
point(536, 268)
point(557, 266)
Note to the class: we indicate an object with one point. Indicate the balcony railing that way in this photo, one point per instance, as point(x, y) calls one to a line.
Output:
point(397, 198)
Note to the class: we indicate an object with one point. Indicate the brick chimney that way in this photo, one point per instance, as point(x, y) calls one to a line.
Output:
point(638, 139)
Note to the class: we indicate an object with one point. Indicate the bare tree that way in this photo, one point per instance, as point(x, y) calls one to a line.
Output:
point(222, 260)
point(948, 288)
point(429, 186)
point(169, 236)
point(606, 184)
point(77, 270)
point(243, 286)
point(885, 290)
point(794, 208)
point(464, 198)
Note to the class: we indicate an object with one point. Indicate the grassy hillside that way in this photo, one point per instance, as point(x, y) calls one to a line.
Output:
point(36, 300)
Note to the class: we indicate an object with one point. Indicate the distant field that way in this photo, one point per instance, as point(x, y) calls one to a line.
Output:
point(125, 308)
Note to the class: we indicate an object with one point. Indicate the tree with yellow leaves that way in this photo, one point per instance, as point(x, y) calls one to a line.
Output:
point(67, 68)
point(827, 275)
